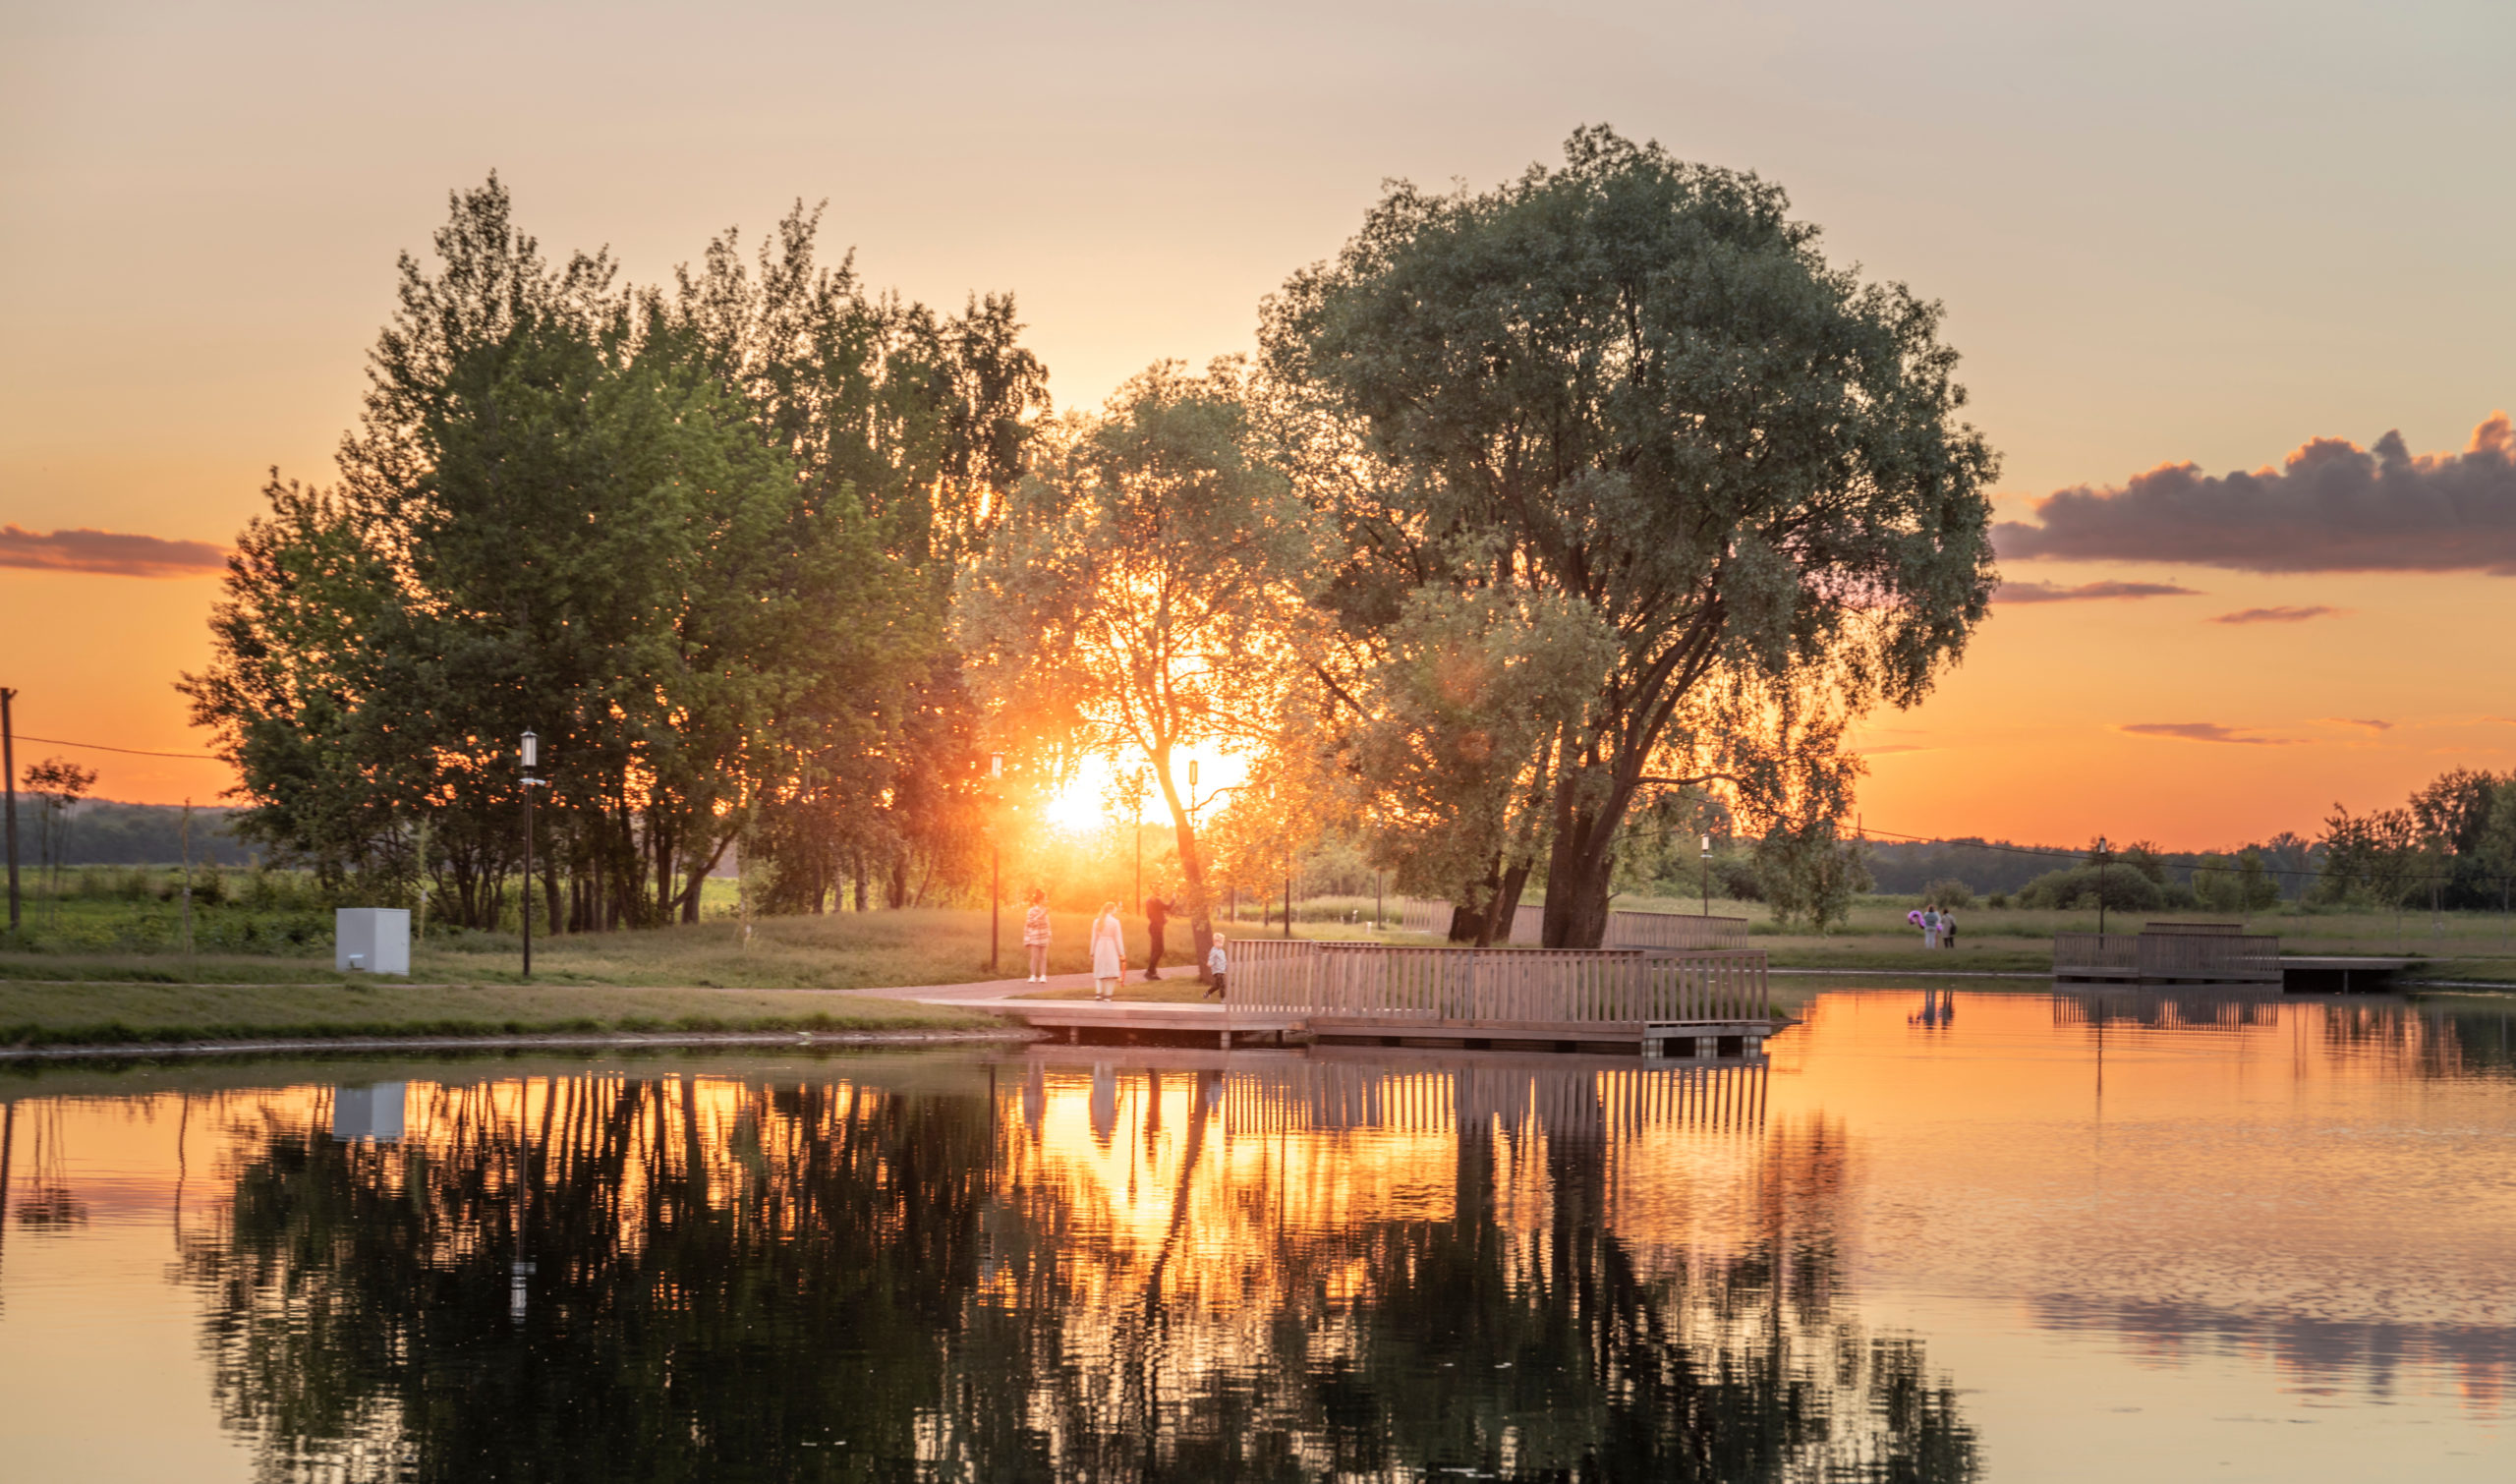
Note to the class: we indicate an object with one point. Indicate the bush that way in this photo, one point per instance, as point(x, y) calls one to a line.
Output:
point(2078, 886)
point(1998, 901)
point(1948, 892)
point(1734, 877)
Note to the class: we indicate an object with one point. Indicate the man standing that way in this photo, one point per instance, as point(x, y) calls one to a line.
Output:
point(1156, 916)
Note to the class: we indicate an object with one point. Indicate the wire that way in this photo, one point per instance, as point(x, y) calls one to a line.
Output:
point(193, 756)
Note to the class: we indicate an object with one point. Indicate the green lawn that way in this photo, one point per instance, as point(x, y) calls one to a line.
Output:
point(110, 1014)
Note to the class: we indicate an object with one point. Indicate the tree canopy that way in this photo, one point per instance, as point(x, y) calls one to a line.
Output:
point(1631, 393)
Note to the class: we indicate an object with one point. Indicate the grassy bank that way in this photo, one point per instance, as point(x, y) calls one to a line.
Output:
point(124, 1014)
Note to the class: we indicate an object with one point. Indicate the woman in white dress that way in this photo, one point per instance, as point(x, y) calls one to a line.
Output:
point(1108, 951)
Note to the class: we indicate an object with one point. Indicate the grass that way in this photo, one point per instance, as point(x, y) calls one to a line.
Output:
point(124, 1014)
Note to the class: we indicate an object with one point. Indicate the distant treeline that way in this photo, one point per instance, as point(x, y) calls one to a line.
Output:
point(1912, 867)
point(103, 833)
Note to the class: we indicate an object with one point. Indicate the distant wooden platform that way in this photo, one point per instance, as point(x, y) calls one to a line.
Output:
point(2339, 974)
point(1079, 1022)
point(2214, 954)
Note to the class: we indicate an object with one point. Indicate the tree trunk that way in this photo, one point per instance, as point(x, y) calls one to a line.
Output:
point(1581, 872)
point(1192, 869)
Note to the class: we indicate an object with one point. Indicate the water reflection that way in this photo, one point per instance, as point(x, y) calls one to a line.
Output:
point(2172, 1211)
point(1087, 1269)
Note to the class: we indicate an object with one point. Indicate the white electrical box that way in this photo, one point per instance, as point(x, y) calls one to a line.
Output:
point(372, 940)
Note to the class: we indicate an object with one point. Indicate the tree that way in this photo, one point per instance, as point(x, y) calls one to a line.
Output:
point(690, 538)
point(1635, 387)
point(1808, 872)
point(1144, 591)
point(60, 784)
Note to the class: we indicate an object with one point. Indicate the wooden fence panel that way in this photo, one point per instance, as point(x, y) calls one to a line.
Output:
point(1674, 930)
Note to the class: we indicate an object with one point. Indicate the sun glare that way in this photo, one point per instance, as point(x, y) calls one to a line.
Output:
point(1084, 803)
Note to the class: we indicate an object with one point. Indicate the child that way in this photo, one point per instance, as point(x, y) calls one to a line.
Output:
point(1214, 966)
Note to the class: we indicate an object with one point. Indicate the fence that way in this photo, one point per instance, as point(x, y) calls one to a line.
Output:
point(1520, 984)
point(1626, 930)
point(2168, 955)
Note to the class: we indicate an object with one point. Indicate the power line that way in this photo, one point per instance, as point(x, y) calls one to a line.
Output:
point(193, 757)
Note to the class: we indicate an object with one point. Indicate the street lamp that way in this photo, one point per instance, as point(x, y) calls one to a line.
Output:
point(995, 865)
point(532, 760)
point(2103, 859)
point(1707, 876)
point(1135, 827)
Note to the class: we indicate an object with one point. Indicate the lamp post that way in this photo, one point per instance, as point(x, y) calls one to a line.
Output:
point(1135, 829)
point(994, 863)
point(532, 760)
point(1707, 876)
point(2104, 858)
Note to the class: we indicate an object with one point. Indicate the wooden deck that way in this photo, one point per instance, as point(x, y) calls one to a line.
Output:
point(2202, 953)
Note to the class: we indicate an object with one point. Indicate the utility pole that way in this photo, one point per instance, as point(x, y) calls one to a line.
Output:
point(532, 757)
point(8, 766)
point(996, 858)
point(1135, 829)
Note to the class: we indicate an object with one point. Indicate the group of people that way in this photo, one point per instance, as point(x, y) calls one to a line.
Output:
point(1109, 946)
point(1939, 928)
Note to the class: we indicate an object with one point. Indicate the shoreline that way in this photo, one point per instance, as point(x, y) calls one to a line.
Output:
point(605, 1039)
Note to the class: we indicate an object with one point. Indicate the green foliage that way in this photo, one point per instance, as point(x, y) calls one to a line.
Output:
point(1811, 873)
point(1145, 593)
point(2241, 886)
point(1948, 892)
point(2118, 885)
point(691, 539)
point(1630, 400)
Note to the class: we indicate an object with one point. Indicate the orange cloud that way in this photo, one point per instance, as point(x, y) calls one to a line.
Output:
point(2198, 731)
point(2086, 592)
point(108, 553)
point(2280, 614)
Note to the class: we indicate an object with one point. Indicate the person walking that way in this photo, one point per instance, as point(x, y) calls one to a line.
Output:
point(1108, 951)
point(1035, 935)
point(1157, 917)
point(1215, 963)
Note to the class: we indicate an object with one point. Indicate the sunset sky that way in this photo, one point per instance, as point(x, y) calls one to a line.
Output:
point(2204, 232)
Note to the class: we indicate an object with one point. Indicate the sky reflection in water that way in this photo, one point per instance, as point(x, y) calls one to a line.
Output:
point(1993, 1236)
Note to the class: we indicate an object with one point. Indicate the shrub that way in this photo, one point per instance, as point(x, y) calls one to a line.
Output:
point(1948, 892)
point(2078, 886)
point(1998, 901)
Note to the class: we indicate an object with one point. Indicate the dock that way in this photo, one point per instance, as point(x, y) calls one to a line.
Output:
point(2214, 954)
point(1626, 1002)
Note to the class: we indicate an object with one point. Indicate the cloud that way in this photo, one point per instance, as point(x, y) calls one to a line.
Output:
point(109, 553)
point(2332, 508)
point(2370, 722)
point(2086, 592)
point(2198, 731)
point(2279, 615)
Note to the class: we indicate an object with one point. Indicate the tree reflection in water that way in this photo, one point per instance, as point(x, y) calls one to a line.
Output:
point(1063, 1271)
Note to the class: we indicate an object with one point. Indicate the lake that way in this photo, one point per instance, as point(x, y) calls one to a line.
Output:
point(1928, 1236)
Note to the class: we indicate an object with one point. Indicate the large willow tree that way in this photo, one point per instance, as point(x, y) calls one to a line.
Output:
point(1625, 415)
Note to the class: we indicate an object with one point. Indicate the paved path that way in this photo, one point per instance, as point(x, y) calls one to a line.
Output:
point(992, 994)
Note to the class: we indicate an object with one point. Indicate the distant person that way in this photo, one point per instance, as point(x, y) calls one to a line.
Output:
point(1108, 951)
point(1930, 925)
point(1035, 935)
point(1215, 963)
point(1157, 917)
point(1948, 930)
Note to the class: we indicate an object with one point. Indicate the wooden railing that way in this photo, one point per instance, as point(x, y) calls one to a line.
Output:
point(1416, 915)
point(1525, 984)
point(2168, 955)
point(1674, 930)
point(2157, 927)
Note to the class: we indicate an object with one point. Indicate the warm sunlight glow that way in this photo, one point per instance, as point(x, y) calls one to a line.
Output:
point(1089, 800)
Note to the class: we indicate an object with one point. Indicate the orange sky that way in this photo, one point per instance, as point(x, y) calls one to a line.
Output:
point(2161, 232)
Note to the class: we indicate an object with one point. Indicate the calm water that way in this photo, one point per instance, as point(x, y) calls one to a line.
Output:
point(2005, 1236)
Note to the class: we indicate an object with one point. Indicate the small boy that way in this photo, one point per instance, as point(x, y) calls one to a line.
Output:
point(1214, 966)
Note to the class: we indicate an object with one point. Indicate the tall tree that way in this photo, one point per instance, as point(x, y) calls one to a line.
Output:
point(1636, 386)
point(1144, 591)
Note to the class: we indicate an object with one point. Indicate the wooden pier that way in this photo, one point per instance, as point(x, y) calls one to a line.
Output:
point(2204, 954)
point(1610, 1001)
point(1626, 930)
